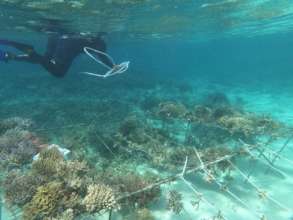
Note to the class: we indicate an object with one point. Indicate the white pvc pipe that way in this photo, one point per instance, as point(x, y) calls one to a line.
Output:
point(116, 69)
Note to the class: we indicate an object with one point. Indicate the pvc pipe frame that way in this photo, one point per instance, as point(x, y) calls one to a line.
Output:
point(117, 69)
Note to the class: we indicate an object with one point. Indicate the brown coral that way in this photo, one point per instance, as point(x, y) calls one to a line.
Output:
point(140, 214)
point(17, 146)
point(201, 114)
point(99, 197)
point(50, 163)
point(44, 203)
point(174, 202)
point(238, 125)
point(171, 110)
point(20, 188)
point(131, 182)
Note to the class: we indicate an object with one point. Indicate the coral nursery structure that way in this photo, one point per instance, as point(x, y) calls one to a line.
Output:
point(172, 141)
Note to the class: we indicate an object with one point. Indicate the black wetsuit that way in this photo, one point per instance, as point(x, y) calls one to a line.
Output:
point(60, 52)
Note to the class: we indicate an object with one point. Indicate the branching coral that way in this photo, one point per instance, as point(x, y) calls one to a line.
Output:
point(99, 198)
point(68, 214)
point(133, 129)
point(175, 201)
point(16, 122)
point(55, 188)
point(130, 183)
point(45, 202)
point(17, 145)
point(201, 114)
point(52, 186)
point(171, 110)
point(140, 214)
point(214, 153)
point(266, 125)
point(238, 125)
point(20, 188)
point(50, 163)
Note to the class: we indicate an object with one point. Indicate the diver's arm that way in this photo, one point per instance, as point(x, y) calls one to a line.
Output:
point(28, 55)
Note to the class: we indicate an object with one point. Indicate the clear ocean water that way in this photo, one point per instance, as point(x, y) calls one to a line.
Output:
point(198, 128)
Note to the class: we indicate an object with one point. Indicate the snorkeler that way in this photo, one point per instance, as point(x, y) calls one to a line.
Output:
point(60, 53)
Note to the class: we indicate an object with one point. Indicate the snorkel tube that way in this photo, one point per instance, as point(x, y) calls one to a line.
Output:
point(116, 69)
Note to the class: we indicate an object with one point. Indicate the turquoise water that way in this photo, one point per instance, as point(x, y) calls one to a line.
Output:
point(198, 127)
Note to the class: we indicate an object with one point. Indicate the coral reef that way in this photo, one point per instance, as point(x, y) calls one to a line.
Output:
point(133, 129)
point(16, 122)
point(103, 171)
point(45, 202)
point(131, 183)
point(17, 147)
point(238, 125)
point(20, 188)
point(125, 181)
point(50, 163)
point(140, 214)
point(171, 110)
point(216, 99)
point(99, 198)
point(68, 214)
point(201, 114)
point(174, 202)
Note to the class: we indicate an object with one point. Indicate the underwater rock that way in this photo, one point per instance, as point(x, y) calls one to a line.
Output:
point(99, 197)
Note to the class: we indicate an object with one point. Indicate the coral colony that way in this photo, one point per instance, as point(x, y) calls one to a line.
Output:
point(213, 140)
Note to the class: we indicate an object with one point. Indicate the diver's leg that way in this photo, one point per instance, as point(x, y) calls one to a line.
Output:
point(29, 54)
point(51, 45)
point(4, 56)
point(33, 57)
point(26, 48)
point(55, 69)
